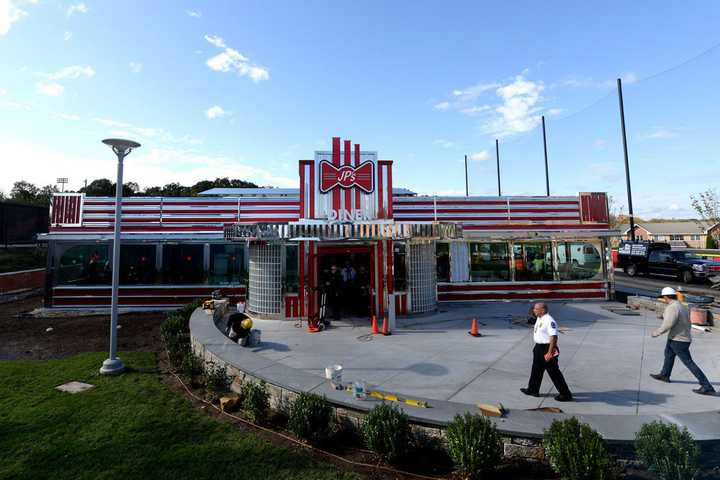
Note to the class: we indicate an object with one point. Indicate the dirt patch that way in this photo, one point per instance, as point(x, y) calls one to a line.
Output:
point(24, 337)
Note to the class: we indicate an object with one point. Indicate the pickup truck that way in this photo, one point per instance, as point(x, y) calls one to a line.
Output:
point(658, 259)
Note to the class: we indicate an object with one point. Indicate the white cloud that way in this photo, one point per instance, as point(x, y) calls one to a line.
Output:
point(475, 109)
point(72, 72)
point(518, 112)
point(659, 134)
point(232, 60)
point(18, 105)
point(69, 116)
point(136, 67)
point(3, 92)
point(442, 106)
point(110, 123)
point(607, 172)
point(480, 156)
point(444, 143)
point(193, 13)
point(9, 14)
point(215, 111)
point(157, 135)
point(67, 36)
point(474, 91)
point(50, 89)
point(77, 8)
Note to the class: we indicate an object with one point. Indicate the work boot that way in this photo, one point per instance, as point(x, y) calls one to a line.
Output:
point(704, 391)
point(563, 398)
point(660, 377)
point(529, 392)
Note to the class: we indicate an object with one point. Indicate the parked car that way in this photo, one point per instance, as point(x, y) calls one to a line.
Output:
point(658, 259)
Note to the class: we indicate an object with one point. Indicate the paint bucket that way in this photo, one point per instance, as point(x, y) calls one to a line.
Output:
point(334, 374)
point(698, 316)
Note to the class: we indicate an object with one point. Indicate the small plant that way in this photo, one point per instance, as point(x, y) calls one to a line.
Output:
point(387, 432)
point(217, 380)
point(474, 444)
point(255, 401)
point(190, 365)
point(576, 451)
point(669, 452)
point(310, 418)
point(186, 311)
point(174, 325)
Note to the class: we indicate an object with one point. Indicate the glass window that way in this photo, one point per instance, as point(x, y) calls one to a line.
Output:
point(533, 261)
point(442, 258)
point(226, 263)
point(291, 268)
point(183, 264)
point(137, 264)
point(399, 267)
point(83, 265)
point(489, 262)
point(578, 261)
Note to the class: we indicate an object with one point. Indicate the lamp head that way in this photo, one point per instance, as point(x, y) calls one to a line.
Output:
point(121, 146)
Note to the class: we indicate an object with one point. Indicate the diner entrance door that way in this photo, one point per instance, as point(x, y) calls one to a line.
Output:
point(345, 281)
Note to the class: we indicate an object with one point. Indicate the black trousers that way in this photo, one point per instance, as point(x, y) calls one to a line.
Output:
point(539, 366)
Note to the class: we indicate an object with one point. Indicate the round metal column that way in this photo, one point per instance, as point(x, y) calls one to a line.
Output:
point(422, 277)
point(265, 279)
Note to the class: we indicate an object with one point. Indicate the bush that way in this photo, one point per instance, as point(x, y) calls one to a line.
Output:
point(188, 309)
point(174, 325)
point(190, 365)
point(255, 401)
point(310, 418)
point(217, 380)
point(474, 444)
point(576, 451)
point(669, 452)
point(387, 432)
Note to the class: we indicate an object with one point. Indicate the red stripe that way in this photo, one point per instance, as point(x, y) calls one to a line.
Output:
point(400, 201)
point(357, 163)
point(348, 193)
point(445, 288)
point(400, 209)
point(302, 189)
point(160, 290)
point(336, 162)
point(478, 219)
point(380, 289)
point(380, 202)
point(494, 296)
point(389, 189)
point(389, 256)
point(312, 190)
point(536, 227)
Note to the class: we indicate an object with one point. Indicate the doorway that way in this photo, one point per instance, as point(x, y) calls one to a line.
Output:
point(346, 279)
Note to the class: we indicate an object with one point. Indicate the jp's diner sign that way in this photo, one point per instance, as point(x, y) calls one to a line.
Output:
point(346, 176)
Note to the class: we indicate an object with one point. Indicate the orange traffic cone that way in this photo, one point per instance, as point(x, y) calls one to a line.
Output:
point(474, 329)
point(374, 324)
point(386, 327)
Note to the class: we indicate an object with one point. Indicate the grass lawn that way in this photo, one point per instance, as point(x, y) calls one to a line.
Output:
point(131, 426)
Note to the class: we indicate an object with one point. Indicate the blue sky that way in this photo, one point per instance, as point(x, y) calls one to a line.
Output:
point(245, 89)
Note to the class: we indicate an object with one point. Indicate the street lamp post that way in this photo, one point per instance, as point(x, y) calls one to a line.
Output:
point(122, 149)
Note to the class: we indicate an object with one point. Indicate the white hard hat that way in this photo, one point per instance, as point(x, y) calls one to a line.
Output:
point(667, 291)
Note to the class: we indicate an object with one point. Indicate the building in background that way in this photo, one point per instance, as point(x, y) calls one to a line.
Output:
point(684, 234)
point(276, 247)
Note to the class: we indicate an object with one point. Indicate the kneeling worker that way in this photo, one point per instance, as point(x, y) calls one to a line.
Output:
point(238, 327)
point(545, 356)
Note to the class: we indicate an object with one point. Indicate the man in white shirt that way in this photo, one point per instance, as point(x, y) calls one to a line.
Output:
point(545, 356)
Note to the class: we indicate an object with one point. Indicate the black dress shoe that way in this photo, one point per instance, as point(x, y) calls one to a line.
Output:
point(529, 392)
point(660, 377)
point(703, 391)
point(564, 398)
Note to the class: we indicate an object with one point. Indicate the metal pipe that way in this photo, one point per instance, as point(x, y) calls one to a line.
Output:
point(497, 157)
point(627, 164)
point(547, 177)
point(466, 178)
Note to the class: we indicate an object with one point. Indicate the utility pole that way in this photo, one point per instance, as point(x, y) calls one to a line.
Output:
point(467, 193)
point(627, 164)
point(547, 177)
point(497, 157)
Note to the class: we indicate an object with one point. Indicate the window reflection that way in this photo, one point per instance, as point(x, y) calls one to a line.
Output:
point(489, 262)
point(84, 265)
point(533, 261)
point(226, 263)
point(137, 264)
point(183, 264)
point(442, 258)
point(578, 261)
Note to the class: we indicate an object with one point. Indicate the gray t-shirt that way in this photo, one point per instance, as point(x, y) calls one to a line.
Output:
point(676, 321)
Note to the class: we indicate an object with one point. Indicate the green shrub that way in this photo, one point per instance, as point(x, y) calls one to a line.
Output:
point(387, 432)
point(174, 325)
point(217, 380)
point(188, 309)
point(576, 451)
point(255, 401)
point(190, 365)
point(310, 418)
point(474, 444)
point(669, 452)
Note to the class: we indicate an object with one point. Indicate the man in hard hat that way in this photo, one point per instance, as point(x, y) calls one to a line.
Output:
point(676, 322)
point(545, 356)
point(238, 326)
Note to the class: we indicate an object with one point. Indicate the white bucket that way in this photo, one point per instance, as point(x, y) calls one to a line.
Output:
point(359, 390)
point(334, 373)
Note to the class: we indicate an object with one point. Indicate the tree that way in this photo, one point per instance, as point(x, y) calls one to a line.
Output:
point(103, 187)
point(24, 192)
point(707, 206)
point(45, 194)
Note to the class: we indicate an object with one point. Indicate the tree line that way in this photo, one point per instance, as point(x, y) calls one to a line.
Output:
point(31, 194)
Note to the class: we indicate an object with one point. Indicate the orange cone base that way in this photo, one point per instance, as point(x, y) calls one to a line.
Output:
point(375, 329)
point(313, 329)
point(475, 334)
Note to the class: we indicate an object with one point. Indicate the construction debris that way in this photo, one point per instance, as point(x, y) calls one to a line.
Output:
point(492, 410)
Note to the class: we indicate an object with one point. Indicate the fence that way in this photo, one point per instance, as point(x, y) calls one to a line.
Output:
point(20, 224)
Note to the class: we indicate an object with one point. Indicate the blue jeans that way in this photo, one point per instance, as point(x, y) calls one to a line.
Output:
point(682, 351)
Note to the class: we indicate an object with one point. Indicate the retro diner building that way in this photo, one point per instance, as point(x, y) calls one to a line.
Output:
point(273, 246)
